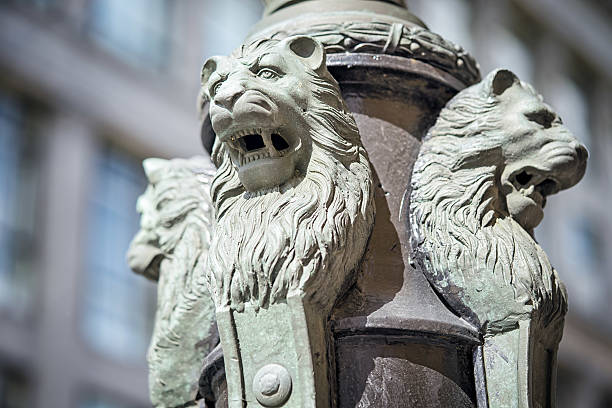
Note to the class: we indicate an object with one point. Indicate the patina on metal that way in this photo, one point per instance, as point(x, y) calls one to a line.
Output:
point(479, 186)
point(294, 204)
point(170, 248)
point(442, 297)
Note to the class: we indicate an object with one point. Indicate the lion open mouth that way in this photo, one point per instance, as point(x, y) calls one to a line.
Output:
point(257, 144)
point(529, 182)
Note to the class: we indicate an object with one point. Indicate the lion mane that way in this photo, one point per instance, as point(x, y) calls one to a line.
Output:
point(472, 252)
point(305, 236)
point(176, 217)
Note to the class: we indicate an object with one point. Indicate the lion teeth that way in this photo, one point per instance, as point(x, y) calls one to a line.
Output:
point(262, 154)
point(245, 157)
point(244, 132)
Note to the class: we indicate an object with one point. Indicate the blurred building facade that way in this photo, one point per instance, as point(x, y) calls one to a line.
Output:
point(88, 88)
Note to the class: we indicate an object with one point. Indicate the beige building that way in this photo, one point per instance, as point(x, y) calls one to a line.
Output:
point(88, 88)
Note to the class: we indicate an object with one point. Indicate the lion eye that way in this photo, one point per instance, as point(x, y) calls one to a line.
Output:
point(544, 118)
point(215, 88)
point(267, 73)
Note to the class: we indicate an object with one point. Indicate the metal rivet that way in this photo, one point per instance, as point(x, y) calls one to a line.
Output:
point(272, 385)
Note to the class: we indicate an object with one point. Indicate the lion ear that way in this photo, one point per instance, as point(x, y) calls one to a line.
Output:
point(209, 67)
point(308, 49)
point(153, 167)
point(501, 80)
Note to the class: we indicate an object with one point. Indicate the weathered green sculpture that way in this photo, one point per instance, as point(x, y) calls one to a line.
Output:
point(294, 182)
point(293, 201)
point(171, 248)
point(287, 223)
point(479, 185)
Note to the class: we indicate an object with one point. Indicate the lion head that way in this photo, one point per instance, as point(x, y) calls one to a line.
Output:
point(171, 247)
point(479, 186)
point(174, 201)
point(293, 192)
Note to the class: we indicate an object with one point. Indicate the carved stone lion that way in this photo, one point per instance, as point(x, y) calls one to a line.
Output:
point(479, 185)
point(171, 247)
point(478, 189)
point(293, 194)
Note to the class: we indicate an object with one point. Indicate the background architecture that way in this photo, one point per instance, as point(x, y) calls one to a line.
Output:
point(88, 88)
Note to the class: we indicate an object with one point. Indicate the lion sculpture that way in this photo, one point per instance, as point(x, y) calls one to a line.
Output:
point(479, 185)
point(293, 194)
point(171, 248)
point(294, 209)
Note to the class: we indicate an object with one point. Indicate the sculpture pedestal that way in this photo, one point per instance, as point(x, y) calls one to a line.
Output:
point(393, 336)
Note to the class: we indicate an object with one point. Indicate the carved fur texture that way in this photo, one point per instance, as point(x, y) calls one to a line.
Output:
point(171, 247)
point(478, 188)
point(306, 236)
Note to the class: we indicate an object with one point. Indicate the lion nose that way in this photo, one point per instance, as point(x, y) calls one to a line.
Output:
point(581, 152)
point(229, 93)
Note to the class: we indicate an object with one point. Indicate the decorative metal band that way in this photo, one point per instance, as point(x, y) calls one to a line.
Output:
point(397, 39)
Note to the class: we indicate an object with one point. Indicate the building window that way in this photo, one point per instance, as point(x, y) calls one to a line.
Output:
point(136, 30)
point(15, 389)
point(505, 49)
point(572, 104)
point(119, 305)
point(587, 242)
point(223, 28)
point(18, 188)
point(452, 19)
point(586, 280)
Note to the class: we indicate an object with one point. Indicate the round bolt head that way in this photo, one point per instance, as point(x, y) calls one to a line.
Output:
point(272, 385)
